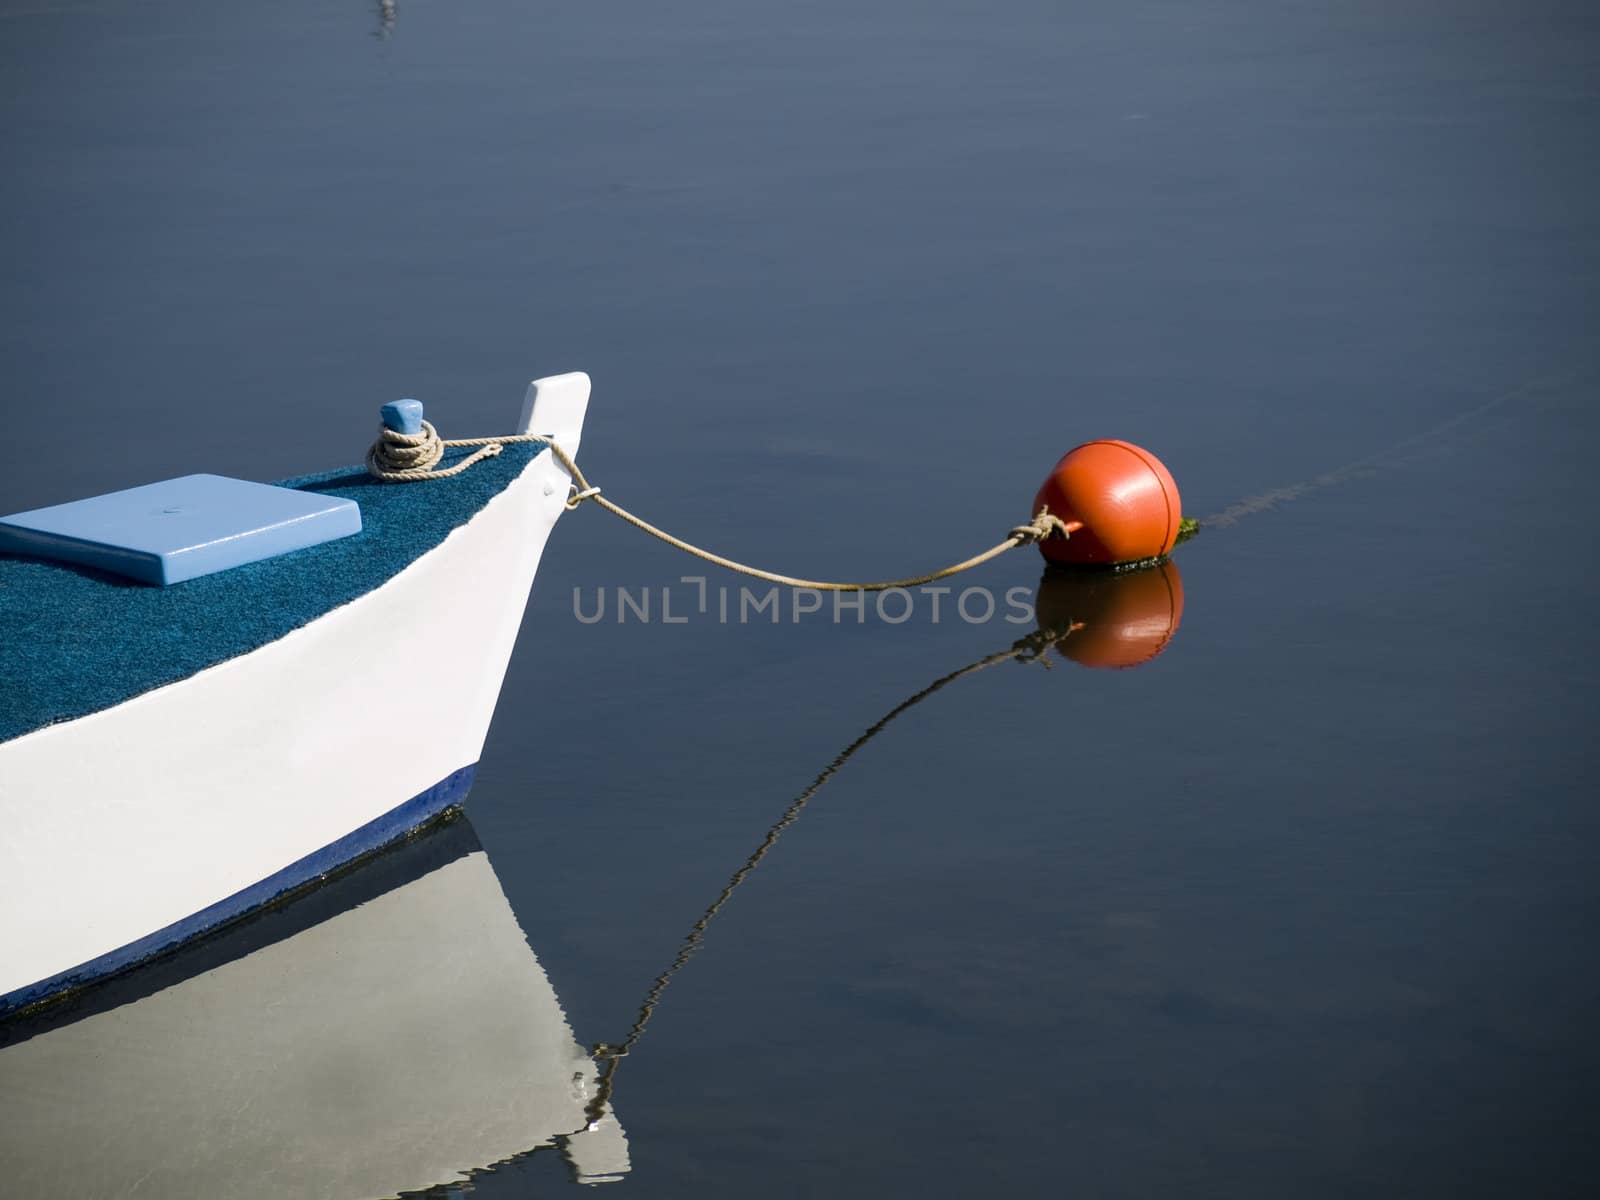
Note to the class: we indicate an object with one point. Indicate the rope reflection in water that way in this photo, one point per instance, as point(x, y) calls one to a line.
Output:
point(1091, 618)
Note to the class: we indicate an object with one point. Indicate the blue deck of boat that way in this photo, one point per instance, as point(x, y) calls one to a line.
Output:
point(74, 640)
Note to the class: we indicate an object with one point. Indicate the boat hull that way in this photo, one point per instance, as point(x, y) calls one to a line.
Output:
point(135, 828)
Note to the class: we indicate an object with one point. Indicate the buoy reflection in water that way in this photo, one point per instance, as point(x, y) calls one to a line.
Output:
point(1110, 619)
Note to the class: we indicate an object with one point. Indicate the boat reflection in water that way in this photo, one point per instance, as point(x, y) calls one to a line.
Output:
point(388, 1032)
point(1105, 619)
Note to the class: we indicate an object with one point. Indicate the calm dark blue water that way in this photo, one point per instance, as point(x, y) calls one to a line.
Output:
point(1303, 906)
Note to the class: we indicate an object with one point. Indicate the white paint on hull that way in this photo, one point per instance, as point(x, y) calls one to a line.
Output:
point(127, 820)
point(390, 1048)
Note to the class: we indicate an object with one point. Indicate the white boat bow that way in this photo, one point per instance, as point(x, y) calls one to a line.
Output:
point(136, 827)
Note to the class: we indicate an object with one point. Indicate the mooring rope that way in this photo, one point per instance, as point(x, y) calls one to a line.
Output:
point(411, 458)
point(414, 457)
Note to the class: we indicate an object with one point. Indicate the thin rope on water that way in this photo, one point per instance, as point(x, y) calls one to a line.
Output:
point(1369, 463)
point(413, 458)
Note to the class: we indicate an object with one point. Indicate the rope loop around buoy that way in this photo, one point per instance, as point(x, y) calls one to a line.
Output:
point(1044, 525)
point(412, 458)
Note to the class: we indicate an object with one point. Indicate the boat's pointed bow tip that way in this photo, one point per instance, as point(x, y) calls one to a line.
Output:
point(556, 405)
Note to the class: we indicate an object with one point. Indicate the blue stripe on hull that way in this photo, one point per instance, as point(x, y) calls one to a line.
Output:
point(373, 836)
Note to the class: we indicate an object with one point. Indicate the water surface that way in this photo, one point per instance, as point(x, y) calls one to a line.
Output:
point(1304, 904)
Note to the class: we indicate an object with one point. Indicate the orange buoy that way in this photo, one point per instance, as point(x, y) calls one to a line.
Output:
point(1108, 618)
point(1126, 499)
